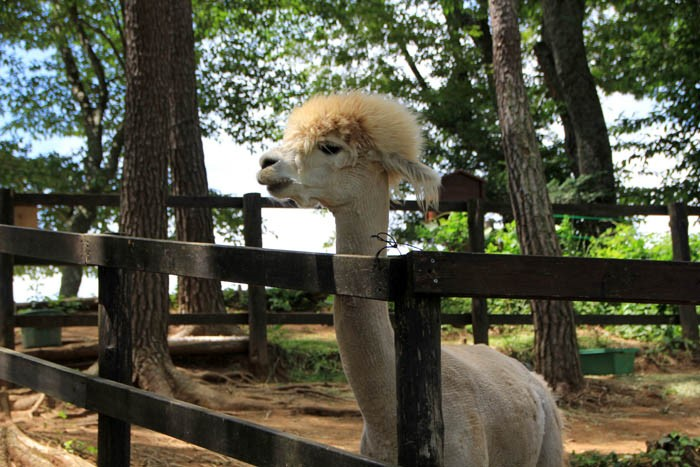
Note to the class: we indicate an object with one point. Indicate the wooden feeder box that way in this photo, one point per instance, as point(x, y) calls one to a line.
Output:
point(460, 185)
point(26, 216)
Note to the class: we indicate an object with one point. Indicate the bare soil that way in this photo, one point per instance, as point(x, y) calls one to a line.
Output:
point(613, 414)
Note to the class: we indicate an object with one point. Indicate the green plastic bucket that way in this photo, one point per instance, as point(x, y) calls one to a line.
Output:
point(607, 361)
point(41, 337)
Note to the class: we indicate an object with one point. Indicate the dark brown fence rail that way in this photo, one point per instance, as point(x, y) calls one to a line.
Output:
point(221, 433)
point(257, 317)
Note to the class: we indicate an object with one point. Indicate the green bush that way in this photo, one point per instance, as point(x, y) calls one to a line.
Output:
point(310, 360)
point(672, 450)
point(622, 241)
point(296, 300)
point(281, 300)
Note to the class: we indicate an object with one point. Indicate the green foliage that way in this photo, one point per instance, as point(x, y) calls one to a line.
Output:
point(47, 48)
point(625, 242)
point(622, 241)
point(50, 173)
point(296, 300)
point(648, 48)
point(435, 56)
point(455, 305)
point(514, 342)
point(80, 448)
point(236, 298)
point(228, 224)
point(672, 450)
point(281, 300)
point(308, 359)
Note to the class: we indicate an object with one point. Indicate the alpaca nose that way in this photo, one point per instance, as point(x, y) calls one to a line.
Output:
point(268, 159)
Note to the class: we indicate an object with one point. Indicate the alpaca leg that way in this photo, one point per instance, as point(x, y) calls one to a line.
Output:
point(552, 451)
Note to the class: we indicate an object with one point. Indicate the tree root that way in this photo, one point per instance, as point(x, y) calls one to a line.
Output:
point(188, 330)
point(165, 379)
point(321, 411)
point(18, 449)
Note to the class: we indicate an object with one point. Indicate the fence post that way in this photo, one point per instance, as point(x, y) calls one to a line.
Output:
point(418, 377)
point(257, 300)
point(7, 301)
point(678, 215)
point(477, 243)
point(114, 359)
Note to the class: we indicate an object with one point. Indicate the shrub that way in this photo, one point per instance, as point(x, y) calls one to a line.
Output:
point(672, 450)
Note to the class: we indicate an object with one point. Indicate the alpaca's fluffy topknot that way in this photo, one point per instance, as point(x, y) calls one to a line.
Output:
point(364, 121)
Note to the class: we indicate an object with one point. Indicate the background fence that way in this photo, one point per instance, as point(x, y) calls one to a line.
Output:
point(257, 318)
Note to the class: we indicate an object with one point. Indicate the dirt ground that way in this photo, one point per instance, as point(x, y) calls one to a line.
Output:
point(614, 414)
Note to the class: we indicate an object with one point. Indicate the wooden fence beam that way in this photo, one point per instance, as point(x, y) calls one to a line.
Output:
point(299, 317)
point(557, 278)
point(217, 432)
point(313, 272)
point(678, 221)
point(7, 302)
point(477, 244)
point(114, 359)
point(257, 299)
point(418, 378)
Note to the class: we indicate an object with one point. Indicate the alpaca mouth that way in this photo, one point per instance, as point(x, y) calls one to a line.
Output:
point(279, 186)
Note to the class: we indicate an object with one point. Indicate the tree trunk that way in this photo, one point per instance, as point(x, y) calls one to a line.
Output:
point(148, 27)
point(556, 92)
point(563, 34)
point(556, 349)
point(189, 177)
point(72, 276)
point(144, 179)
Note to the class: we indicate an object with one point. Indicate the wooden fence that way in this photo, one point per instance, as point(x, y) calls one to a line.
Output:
point(258, 318)
point(414, 282)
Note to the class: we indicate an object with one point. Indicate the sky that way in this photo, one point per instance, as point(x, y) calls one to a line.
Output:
point(231, 170)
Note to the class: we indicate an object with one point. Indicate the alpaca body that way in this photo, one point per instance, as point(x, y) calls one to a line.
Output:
point(344, 152)
point(496, 412)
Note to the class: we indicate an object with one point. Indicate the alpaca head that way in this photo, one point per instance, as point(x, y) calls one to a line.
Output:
point(338, 146)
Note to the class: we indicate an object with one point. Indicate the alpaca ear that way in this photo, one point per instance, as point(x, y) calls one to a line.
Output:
point(425, 180)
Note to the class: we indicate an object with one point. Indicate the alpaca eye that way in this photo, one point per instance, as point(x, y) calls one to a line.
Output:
point(329, 149)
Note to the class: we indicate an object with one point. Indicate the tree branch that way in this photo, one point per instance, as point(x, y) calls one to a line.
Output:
point(95, 62)
point(115, 150)
point(72, 73)
point(414, 68)
point(118, 54)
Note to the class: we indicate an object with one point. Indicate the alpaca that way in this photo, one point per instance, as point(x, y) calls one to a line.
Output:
point(345, 152)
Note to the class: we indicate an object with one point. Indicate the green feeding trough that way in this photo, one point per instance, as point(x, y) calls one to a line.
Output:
point(607, 361)
point(41, 336)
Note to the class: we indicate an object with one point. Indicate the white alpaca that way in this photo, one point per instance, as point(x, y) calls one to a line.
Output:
point(345, 151)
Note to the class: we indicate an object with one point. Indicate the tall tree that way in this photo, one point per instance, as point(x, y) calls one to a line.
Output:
point(66, 89)
point(144, 180)
point(187, 169)
point(649, 49)
point(149, 52)
point(562, 54)
point(556, 348)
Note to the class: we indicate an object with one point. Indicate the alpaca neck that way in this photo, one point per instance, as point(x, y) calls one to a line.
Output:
point(364, 332)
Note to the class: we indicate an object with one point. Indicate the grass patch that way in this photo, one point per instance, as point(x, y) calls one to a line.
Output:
point(672, 450)
point(518, 345)
point(308, 359)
